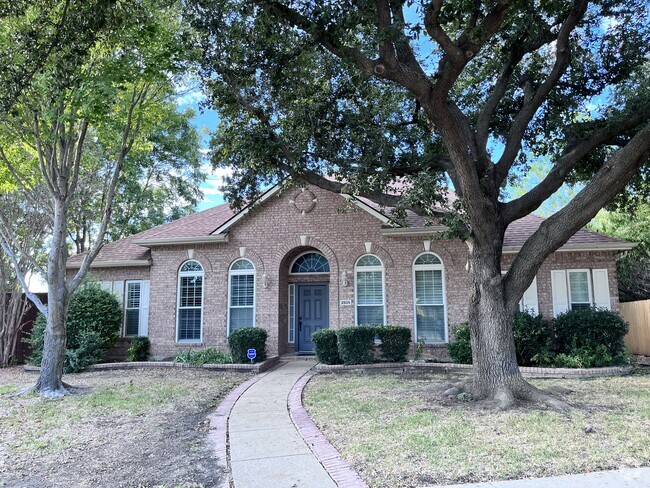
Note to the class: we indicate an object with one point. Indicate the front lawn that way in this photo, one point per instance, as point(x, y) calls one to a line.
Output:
point(400, 431)
point(129, 429)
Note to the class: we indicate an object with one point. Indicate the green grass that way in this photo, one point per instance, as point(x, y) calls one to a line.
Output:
point(6, 389)
point(399, 431)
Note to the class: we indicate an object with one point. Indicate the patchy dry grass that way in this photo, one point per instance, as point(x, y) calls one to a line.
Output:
point(127, 428)
point(399, 431)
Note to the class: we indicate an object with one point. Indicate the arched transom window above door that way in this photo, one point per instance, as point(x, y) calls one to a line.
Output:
point(310, 262)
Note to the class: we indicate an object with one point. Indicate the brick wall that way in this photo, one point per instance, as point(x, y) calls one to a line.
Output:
point(274, 233)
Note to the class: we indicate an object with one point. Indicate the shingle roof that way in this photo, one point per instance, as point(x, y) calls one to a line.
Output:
point(202, 224)
point(194, 225)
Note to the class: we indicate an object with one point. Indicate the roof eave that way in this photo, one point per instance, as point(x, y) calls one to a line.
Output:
point(605, 246)
point(179, 241)
point(239, 215)
point(127, 263)
point(414, 231)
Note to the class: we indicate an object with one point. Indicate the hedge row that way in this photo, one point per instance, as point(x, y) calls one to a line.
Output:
point(356, 345)
point(576, 339)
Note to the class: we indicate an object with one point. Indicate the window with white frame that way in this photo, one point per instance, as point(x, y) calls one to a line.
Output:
point(369, 292)
point(133, 296)
point(310, 262)
point(579, 289)
point(429, 295)
point(132, 308)
point(241, 291)
point(190, 302)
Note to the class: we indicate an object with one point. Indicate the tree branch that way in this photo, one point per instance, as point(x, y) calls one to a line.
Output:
point(571, 156)
point(21, 278)
point(532, 104)
point(556, 230)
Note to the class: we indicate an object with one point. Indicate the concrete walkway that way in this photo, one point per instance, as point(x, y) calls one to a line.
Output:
point(624, 478)
point(265, 448)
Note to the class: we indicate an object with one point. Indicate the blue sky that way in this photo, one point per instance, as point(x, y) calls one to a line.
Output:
point(206, 122)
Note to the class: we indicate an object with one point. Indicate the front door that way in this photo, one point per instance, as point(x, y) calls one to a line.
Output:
point(313, 313)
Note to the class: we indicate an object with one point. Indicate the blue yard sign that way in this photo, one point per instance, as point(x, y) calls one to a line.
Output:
point(252, 354)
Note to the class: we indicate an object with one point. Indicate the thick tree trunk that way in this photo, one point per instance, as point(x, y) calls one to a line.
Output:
point(497, 376)
point(50, 382)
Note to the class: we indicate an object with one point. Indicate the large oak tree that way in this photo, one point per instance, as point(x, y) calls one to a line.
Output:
point(427, 93)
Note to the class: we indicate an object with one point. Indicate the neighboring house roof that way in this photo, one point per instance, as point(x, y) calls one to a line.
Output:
point(202, 227)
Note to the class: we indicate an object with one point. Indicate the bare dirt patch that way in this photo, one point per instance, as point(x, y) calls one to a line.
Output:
point(402, 431)
point(136, 428)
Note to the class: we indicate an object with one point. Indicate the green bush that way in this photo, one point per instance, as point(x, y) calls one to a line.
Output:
point(595, 336)
point(532, 336)
point(200, 357)
point(356, 344)
point(241, 340)
point(139, 349)
point(326, 345)
point(93, 326)
point(394, 342)
point(89, 350)
point(460, 349)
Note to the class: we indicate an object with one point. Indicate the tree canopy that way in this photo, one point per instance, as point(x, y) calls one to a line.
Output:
point(394, 100)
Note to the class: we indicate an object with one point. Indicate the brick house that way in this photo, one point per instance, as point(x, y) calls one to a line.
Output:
point(301, 259)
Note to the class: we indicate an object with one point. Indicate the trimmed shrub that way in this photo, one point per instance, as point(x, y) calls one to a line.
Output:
point(532, 338)
point(241, 340)
point(93, 326)
point(590, 338)
point(139, 349)
point(460, 349)
point(199, 357)
point(356, 344)
point(395, 342)
point(326, 345)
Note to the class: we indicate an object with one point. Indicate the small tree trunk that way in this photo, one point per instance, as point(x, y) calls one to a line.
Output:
point(50, 383)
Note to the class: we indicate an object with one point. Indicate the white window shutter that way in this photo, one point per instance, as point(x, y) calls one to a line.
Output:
point(106, 285)
point(560, 293)
point(118, 291)
point(601, 289)
point(530, 298)
point(144, 308)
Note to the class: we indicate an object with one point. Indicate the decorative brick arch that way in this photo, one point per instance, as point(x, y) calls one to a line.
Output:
point(357, 251)
point(198, 256)
point(441, 249)
point(249, 254)
point(314, 242)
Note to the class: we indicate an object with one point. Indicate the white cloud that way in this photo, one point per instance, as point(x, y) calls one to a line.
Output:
point(192, 97)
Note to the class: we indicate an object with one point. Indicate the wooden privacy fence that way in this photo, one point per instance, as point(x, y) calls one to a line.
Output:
point(637, 314)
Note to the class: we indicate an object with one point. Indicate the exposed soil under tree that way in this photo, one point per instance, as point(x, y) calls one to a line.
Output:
point(129, 429)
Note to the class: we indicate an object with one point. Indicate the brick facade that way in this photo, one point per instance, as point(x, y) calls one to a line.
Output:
point(276, 232)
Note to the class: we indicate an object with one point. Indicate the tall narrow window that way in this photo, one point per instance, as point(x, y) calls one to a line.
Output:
point(132, 309)
point(579, 289)
point(292, 313)
point(369, 283)
point(241, 301)
point(190, 302)
point(430, 314)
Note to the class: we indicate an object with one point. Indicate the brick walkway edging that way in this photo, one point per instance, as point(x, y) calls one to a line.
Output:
point(218, 431)
point(245, 367)
point(338, 469)
point(416, 367)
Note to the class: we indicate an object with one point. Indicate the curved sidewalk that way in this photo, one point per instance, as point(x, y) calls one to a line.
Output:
point(265, 447)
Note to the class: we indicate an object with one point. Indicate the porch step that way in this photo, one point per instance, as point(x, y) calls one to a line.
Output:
point(293, 356)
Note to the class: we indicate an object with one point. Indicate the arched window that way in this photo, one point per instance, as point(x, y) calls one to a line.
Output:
point(369, 291)
point(241, 295)
point(310, 262)
point(429, 298)
point(190, 302)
